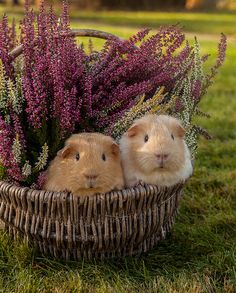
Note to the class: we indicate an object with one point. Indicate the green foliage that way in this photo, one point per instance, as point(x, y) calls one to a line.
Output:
point(2, 172)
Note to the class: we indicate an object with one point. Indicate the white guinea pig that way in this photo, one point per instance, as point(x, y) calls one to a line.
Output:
point(153, 151)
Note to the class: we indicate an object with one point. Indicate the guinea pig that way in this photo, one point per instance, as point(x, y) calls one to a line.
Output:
point(89, 163)
point(153, 151)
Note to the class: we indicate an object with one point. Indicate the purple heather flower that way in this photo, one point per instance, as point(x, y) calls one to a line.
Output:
point(6, 155)
point(7, 43)
point(196, 90)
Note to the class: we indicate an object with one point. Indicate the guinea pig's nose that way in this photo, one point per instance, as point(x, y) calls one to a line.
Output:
point(162, 157)
point(91, 176)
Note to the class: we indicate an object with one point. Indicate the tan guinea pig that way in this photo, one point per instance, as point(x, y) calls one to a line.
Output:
point(153, 151)
point(89, 163)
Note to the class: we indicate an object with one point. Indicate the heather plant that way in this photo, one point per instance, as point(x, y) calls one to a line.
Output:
point(40, 107)
point(60, 89)
point(8, 40)
point(187, 85)
point(155, 105)
point(190, 90)
point(133, 68)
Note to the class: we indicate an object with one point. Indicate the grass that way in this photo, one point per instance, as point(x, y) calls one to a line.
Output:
point(200, 253)
point(208, 22)
point(192, 22)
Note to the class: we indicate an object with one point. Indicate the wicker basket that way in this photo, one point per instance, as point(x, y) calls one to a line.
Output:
point(119, 223)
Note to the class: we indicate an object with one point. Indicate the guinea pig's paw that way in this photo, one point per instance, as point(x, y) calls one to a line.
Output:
point(118, 187)
point(140, 183)
point(65, 190)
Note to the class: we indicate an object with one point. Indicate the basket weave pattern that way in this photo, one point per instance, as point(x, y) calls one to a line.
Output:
point(115, 224)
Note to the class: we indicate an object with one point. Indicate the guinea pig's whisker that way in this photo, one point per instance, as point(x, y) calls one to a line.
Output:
point(145, 161)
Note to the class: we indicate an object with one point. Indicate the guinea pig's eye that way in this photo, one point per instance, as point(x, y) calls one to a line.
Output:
point(172, 136)
point(146, 137)
point(103, 157)
point(77, 157)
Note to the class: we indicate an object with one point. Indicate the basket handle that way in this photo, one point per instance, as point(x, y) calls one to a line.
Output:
point(74, 33)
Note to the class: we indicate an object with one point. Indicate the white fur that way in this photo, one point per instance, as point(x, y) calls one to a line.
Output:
point(162, 177)
point(133, 176)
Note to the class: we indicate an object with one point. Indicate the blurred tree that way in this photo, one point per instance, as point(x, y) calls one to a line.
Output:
point(199, 4)
point(37, 2)
point(14, 2)
point(138, 4)
point(141, 4)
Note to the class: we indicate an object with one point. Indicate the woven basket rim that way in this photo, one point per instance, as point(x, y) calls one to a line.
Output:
point(128, 193)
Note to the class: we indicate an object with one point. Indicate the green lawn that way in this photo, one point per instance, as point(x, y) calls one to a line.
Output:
point(200, 253)
point(192, 22)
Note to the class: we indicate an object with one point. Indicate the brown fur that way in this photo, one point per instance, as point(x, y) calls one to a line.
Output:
point(140, 159)
point(78, 177)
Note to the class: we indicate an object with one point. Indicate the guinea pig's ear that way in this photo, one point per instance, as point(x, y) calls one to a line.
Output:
point(133, 130)
point(63, 153)
point(180, 131)
point(115, 150)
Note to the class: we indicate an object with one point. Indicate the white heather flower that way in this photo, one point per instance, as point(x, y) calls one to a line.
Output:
point(15, 95)
point(16, 149)
point(7, 119)
point(10, 92)
point(43, 158)
point(3, 87)
point(190, 105)
point(27, 169)
point(198, 66)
